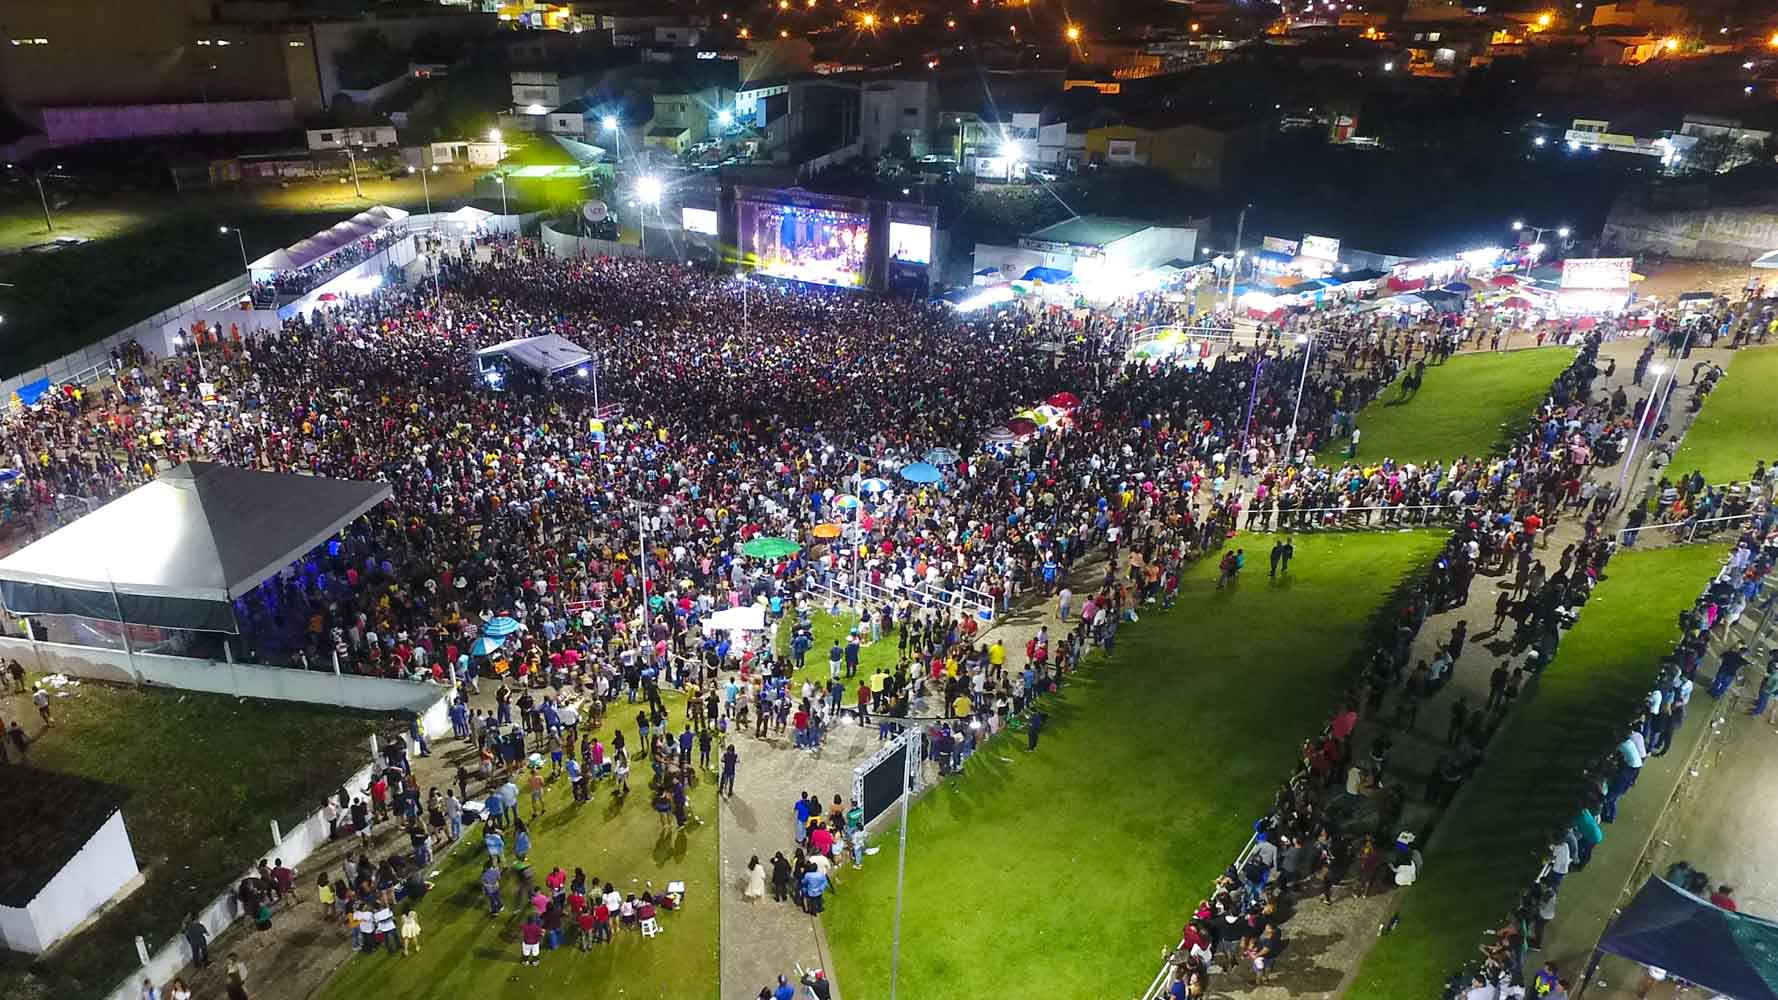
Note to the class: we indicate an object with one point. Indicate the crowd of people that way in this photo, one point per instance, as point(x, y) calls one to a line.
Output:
point(611, 542)
point(298, 281)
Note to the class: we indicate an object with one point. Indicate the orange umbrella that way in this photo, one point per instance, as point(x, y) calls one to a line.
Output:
point(827, 531)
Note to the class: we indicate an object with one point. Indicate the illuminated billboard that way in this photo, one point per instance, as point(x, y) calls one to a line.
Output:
point(910, 243)
point(699, 220)
point(1596, 272)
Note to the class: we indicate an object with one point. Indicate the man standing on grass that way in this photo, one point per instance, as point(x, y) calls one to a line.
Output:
point(40, 698)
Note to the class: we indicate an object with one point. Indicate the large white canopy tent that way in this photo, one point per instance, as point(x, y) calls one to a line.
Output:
point(547, 355)
point(308, 251)
point(176, 552)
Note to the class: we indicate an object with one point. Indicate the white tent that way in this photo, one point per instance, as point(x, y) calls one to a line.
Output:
point(747, 617)
point(548, 354)
point(177, 551)
point(308, 251)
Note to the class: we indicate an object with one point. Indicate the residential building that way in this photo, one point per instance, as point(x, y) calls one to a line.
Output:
point(536, 91)
point(897, 116)
point(355, 137)
point(683, 117)
point(1206, 154)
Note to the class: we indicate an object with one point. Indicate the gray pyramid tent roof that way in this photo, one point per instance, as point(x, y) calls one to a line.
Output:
point(177, 551)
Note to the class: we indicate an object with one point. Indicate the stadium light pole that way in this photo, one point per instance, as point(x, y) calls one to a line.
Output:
point(501, 180)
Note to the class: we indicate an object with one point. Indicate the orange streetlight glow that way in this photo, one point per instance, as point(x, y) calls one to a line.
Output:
point(1073, 33)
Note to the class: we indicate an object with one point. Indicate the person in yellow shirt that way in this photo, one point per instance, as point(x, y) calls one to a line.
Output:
point(962, 708)
point(997, 655)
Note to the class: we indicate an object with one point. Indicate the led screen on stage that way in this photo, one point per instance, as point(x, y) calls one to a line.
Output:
point(823, 245)
point(910, 243)
point(699, 220)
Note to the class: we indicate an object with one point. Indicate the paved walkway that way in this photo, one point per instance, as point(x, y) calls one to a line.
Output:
point(763, 940)
point(1698, 808)
point(1328, 943)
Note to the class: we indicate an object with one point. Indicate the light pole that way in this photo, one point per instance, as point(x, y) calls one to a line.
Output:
point(501, 180)
point(1235, 268)
point(1538, 231)
point(1649, 413)
point(1307, 343)
point(424, 184)
point(240, 241)
point(44, 198)
point(615, 127)
point(353, 161)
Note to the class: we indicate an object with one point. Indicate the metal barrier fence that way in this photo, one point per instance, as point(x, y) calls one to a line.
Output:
point(1685, 531)
point(1159, 985)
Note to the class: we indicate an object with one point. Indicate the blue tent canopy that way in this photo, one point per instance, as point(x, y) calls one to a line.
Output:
point(31, 392)
point(921, 472)
point(1731, 953)
point(1275, 256)
point(1049, 275)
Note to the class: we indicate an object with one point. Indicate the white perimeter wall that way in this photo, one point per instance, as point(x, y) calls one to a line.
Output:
point(103, 867)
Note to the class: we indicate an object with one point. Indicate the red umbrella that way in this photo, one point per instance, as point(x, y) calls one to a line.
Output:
point(327, 297)
point(1022, 425)
point(1517, 302)
point(1064, 400)
point(1586, 323)
point(1503, 281)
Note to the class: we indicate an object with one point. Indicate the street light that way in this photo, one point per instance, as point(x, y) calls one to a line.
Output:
point(424, 184)
point(725, 118)
point(501, 180)
point(648, 191)
point(610, 124)
point(242, 242)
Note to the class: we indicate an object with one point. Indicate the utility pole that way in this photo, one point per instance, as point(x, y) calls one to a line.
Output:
point(51, 226)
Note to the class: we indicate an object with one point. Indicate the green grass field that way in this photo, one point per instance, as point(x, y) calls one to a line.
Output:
point(204, 776)
point(1467, 406)
point(152, 250)
point(1493, 843)
point(1073, 866)
point(829, 630)
point(468, 954)
point(1739, 423)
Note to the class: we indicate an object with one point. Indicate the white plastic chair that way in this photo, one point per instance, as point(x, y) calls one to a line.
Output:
point(650, 927)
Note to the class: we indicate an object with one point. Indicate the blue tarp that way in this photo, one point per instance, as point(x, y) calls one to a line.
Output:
point(31, 392)
point(1730, 953)
point(1275, 256)
point(1049, 275)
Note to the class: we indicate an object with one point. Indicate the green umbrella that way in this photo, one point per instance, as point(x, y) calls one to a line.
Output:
point(767, 547)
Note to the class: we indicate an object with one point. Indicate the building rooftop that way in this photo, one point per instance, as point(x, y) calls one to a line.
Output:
point(1089, 230)
point(50, 817)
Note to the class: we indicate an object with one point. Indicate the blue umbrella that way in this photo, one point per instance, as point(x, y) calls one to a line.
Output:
point(873, 485)
point(8, 475)
point(942, 456)
point(921, 472)
point(500, 627)
point(1458, 286)
point(483, 646)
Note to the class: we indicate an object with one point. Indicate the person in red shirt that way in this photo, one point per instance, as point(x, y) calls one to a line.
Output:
point(1724, 896)
point(587, 927)
point(531, 941)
